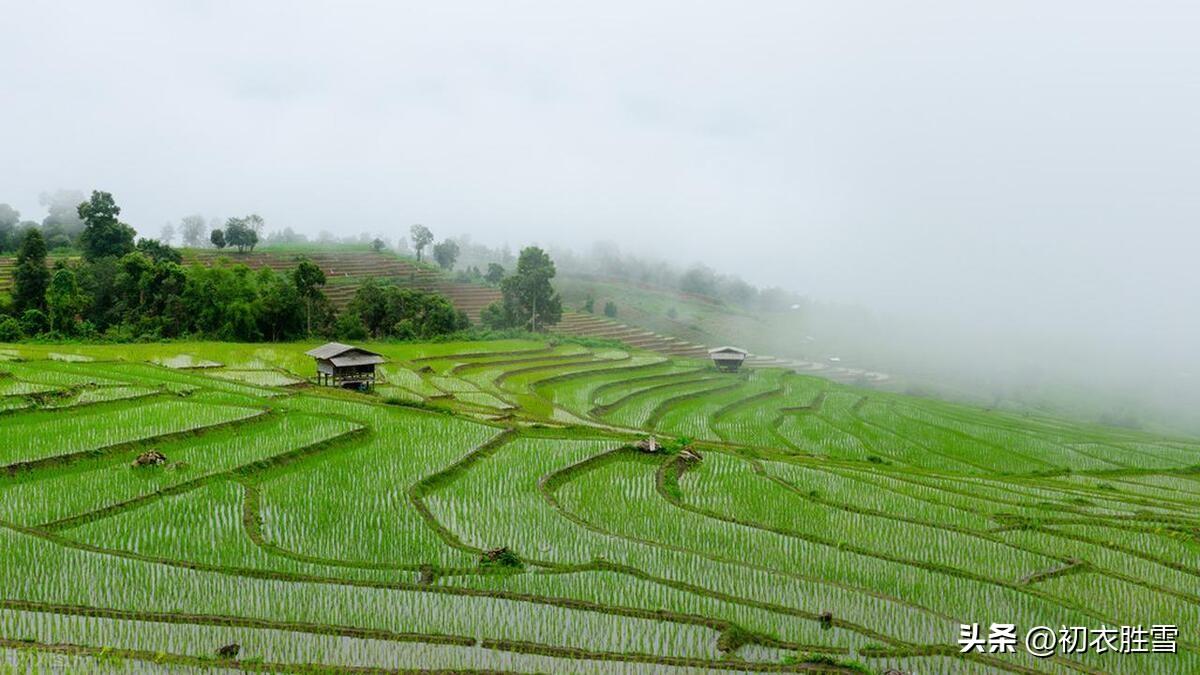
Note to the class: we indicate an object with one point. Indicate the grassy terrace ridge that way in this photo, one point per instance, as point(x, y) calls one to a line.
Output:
point(485, 510)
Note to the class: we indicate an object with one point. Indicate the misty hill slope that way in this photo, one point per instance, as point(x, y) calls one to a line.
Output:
point(783, 335)
point(486, 508)
point(346, 270)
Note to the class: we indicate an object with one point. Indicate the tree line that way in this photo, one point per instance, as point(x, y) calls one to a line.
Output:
point(122, 289)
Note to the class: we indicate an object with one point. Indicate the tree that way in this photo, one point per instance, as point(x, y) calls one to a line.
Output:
point(238, 233)
point(192, 230)
point(529, 300)
point(217, 237)
point(64, 301)
point(308, 279)
point(10, 330)
point(30, 276)
point(589, 305)
point(256, 224)
point(158, 251)
point(495, 274)
point(33, 322)
point(377, 245)
point(168, 234)
point(700, 280)
point(446, 253)
point(421, 237)
point(391, 311)
point(610, 309)
point(103, 235)
point(278, 306)
point(62, 224)
point(9, 218)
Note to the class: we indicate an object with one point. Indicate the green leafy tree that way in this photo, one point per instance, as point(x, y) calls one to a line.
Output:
point(33, 322)
point(240, 234)
point(421, 237)
point(64, 301)
point(103, 235)
point(309, 279)
point(446, 253)
point(589, 305)
point(217, 238)
point(610, 309)
point(377, 245)
point(10, 330)
point(529, 300)
point(350, 327)
point(391, 311)
point(158, 251)
point(30, 277)
point(278, 306)
point(495, 274)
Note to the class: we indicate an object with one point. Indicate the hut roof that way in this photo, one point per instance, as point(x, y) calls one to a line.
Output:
point(356, 360)
point(333, 350)
point(728, 350)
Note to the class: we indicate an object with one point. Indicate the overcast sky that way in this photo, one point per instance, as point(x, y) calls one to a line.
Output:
point(1015, 162)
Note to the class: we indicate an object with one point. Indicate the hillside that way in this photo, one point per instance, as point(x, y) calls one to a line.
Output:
point(643, 324)
point(483, 509)
point(785, 335)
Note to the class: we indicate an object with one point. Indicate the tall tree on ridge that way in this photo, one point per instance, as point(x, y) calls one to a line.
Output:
point(308, 278)
point(421, 237)
point(30, 277)
point(103, 235)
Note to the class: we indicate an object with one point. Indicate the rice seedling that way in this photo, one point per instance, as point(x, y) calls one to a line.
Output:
point(30, 438)
point(258, 378)
point(320, 528)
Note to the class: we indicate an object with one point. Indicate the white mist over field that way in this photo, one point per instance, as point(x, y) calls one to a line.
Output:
point(1009, 188)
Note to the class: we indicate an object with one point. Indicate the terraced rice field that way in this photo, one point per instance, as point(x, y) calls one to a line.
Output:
point(824, 528)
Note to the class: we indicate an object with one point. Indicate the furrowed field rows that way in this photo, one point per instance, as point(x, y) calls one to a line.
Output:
point(612, 393)
point(977, 440)
point(199, 591)
point(641, 409)
point(57, 375)
point(172, 636)
point(942, 592)
point(44, 435)
point(491, 376)
point(525, 380)
point(575, 391)
point(874, 492)
point(754, 419)
point(324, 528)
point(731, 488)
point(693, 418)
point(258, 378)
point(844, 411)
point(461, 366)
point(207, 525)
point(352, 504)
point(407, 379)
point(10, 386)
point(89, 485)
point(150, 375)
point(476, 503)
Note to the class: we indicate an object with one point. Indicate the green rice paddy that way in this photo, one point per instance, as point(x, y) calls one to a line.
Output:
point(824, 528)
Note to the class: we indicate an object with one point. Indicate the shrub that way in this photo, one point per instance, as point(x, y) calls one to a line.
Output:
point(350, 327)
point(34, 322)
point(10, 330)
point(610, 309)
